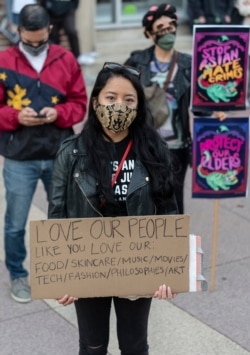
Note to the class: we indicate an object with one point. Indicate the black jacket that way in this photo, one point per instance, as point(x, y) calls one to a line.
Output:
point(182, 83)
point(72, 189)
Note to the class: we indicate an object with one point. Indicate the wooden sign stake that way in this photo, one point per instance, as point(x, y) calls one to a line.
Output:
point(214, 245)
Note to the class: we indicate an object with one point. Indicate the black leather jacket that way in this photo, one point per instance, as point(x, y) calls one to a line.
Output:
point(182, 85)
point(72, 189)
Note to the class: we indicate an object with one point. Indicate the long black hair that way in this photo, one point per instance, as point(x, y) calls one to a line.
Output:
point(147, 144)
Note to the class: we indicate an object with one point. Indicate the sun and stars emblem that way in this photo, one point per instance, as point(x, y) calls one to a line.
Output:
point(17, 97)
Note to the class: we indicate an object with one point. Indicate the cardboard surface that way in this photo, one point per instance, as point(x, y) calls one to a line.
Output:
point(97, 257)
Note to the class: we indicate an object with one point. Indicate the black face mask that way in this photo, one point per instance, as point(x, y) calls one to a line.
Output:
point(35, 51)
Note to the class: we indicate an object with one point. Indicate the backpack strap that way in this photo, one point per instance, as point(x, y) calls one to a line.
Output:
point(171, 69)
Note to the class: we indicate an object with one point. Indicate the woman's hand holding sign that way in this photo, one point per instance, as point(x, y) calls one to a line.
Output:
point(67, 300)
point(163, 293)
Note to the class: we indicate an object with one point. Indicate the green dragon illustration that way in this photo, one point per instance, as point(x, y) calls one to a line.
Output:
point(218, 180)
point(218, 92)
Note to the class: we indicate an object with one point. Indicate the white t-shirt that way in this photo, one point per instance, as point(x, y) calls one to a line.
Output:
point(19, 4)
point(37, 61)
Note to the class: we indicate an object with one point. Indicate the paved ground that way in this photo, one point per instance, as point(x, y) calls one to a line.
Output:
point(208, 323)
point(204, 323)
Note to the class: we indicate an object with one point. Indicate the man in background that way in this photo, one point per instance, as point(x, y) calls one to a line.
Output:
point(42, 95)
point(212, 12)
point(63, 16)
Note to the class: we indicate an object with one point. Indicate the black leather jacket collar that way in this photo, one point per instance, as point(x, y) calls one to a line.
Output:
point(72, 188)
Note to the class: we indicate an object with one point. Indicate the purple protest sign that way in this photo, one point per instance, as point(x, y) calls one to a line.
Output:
point(220, 157)
point(220, 66)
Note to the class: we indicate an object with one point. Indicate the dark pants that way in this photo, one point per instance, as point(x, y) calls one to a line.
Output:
point(93, 316)
point(236, 17)
point(181, 160)
point(67, 22)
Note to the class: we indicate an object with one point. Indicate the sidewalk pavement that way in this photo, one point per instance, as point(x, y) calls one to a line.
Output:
point(205, 323)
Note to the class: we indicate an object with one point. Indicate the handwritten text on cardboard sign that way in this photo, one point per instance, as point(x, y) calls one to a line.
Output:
point(109, 256)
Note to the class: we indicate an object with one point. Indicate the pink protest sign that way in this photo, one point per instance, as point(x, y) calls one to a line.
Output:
point(220, 66)
point(220, 157)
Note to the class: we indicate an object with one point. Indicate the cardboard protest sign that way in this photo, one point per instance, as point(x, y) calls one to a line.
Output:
point(118, 256)
point(220, 67)
point(220, 157)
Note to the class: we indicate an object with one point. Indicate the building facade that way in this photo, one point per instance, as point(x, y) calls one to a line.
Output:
point(98, 15)
point(126, 12)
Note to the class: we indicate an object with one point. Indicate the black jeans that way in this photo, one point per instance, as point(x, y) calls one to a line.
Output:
point(67, 22)
point(132, 325)
point(181, 160)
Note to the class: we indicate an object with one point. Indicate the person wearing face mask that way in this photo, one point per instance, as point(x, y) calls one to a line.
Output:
point(160, 26)
point(161, 63)
point(117, 166)
point(42, 95)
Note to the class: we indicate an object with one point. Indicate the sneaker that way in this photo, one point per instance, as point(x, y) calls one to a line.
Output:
point(93, 54)
point(85, 59)
point(20, 290)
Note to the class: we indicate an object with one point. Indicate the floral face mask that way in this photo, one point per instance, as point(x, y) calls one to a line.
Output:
point(116, 117)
